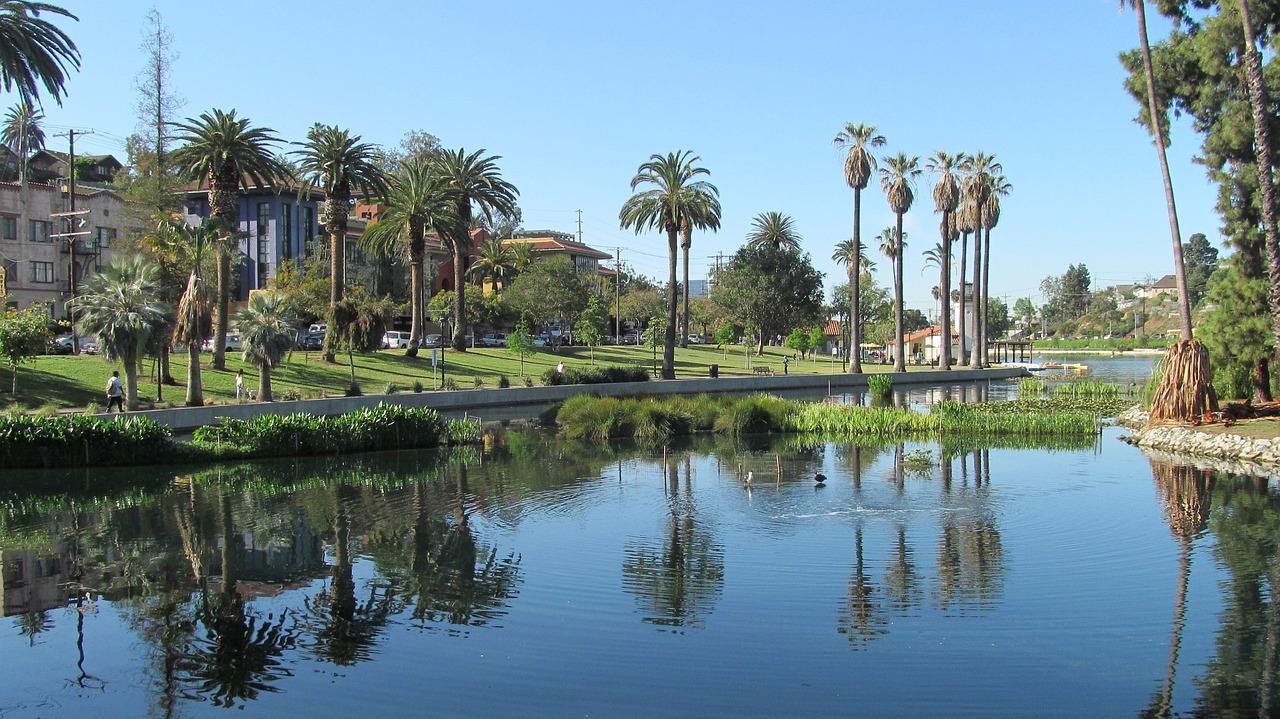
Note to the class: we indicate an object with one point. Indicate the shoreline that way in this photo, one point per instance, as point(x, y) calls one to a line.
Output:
point(1249, 454)
point(1140, 352)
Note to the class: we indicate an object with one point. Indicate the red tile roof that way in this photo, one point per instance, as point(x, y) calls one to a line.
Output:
point(554, 244)
point(927, 332)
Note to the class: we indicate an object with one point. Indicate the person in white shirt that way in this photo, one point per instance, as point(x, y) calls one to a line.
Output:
point(240, 384)
point(115, 393)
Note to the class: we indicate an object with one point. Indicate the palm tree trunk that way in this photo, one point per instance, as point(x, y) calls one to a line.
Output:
point(1262, 148)
point(222, 310)
point(166, 376)
point(337, 229)
point(975, 359)
point(224, 206)
point(669, 347)
point(964, 333)
point(944, 359)
point(195, 389)
point(899, 358)
point(131, 382)
point(264, 384)
point(415, 295)
point(686, 240)
point(986, 291)
point(855, 289)
point(459, 302)
point(1261, 381)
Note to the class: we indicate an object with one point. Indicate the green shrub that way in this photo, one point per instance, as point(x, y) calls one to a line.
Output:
point(879, 385)
point(1232, 381)
point(464, 431)
point(391, 388)
point(80, 440)
point(291, 395)
point(606, 374)
point(658, 421)
point(587, 416)
point(450, 384)
point(756, 414)
point(353, 390)
point(477, 383)
point(417, 385)
point(503, 381)
point(372, 428)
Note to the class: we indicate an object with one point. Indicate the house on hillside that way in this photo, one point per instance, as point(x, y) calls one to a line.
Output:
point(1167, 285)
point(50, 165)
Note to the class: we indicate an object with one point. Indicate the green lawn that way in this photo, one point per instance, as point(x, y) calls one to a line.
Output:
point(77, 382)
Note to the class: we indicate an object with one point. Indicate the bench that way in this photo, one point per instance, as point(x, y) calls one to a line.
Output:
point(762, 371)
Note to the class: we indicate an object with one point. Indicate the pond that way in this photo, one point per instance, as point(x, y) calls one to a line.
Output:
point(542, 578)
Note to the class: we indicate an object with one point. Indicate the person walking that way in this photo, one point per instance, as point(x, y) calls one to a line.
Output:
point(239, 385)
point(115, 392)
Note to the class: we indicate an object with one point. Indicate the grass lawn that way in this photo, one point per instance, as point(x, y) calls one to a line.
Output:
point(77, 382)
point(1261, 428)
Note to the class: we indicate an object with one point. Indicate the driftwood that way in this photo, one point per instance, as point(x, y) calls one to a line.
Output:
point(1185, 393)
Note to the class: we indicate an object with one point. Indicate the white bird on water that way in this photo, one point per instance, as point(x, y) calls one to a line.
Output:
point(748, 479)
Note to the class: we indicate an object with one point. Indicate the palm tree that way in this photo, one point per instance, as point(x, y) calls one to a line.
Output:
point(773, 229)
point(897, 177)
point(264, 331)
point(227, 153)
point(416, 203)
point(965, 217)
point(705, 215)
point(470, 178)
point(34, 51)
point(675, 196)
point(121, 306)
point(22, 134)
point(859, 163)
point(979, 167)
point(494, 262)
point(946, 198)
point(193, 307)
point(342, 166)
point(853, 255)
point(990, 218)
point(521, 257)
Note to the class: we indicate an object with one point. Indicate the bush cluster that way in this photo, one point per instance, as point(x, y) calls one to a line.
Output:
point(372, 428)
point(79, 440)
point(607, 374)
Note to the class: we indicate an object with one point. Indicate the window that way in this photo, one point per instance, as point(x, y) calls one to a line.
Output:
point(308, 227)
point(286, 214)
point(10, 271)
point(106, 235)
point(264, 218)
point(39, 231)
point(42, 272)
point(8, 227)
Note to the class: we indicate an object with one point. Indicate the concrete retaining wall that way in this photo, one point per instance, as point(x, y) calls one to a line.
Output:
point(477, 401)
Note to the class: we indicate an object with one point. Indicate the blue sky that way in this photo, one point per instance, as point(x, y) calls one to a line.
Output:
point(574, 95)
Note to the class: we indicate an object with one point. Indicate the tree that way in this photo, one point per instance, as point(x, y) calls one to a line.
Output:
point(1200, 259)
point(23, 134)
point(979, 169)
point(860, 140)
point(966, 224)
point(770, 289)
point(359, 323)
point(589, 329)
point(495, 263)
point(704, 214)
point(640, 304)
point(946, 199)
point(520, 343)
point(913, 320)
point(224, 153)
point(34, 51)
point(1237, 330)
point(121, 306)
point(726, 333)
point(443, 303)
point(798, 340)
point(23, 334)
point(416, 202)
point(306, 284)
point(817, 338)
point(193, 319)
point(551, 290)
point(471, 179)
point(1024, 310)
point(264, 332)
point(675, 196)
point(774, 229)
point(897, 178)
point(343, 167)
point(157, 105)
point(1000, 187)
point(998, 322)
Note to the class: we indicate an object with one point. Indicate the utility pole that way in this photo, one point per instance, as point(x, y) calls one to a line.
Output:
point(72, 233)
point(617, 295)
point(579, 226)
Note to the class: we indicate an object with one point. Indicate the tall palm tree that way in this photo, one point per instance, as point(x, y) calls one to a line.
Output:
point(1000, 187)
point(853, 255)
point(1258, 102)
point(121, 307)
point(965, 217)
point(343, 167)
point(674, 196)
point(897, 177)
point(946, 198)
point(773, 229)
point(704, 215)
point(264, 331)
point(22, 134)
point(226, 153)
point(859, 163)
point(979, 169)
point(416, 203)
point(193, 320)
point(494, 262)
point(471, 179)
point(521, 257)
point(34, 51)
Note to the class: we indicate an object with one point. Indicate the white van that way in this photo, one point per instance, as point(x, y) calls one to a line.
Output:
point(395, 340)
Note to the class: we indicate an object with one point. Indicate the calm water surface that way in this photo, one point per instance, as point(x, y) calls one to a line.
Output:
point(544, 579)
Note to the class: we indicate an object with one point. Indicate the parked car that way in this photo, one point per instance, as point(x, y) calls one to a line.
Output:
point(697, 340)
point(318, 329)
point(85, 344)
point(494, 339)
point(233, 343)
point(433, 341)
point(311, 341)
point(395, 339)
point(631, 338)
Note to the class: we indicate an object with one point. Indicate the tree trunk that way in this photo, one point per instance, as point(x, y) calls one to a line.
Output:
point(460, 247)
point(669, 347)
point(195, 388)
point(986, 291)
point(1262, 148)
point(264, 384)
point(223, 309)
point(415, 293)
point(336, 226)
point(224, 206)
point(899, 356)
point(975, 359)
point(855, 288)
point(1261, 381)
point(166, 376)
point(131, 380)
point(686, 241)
point(964, 331)
point(13, 387)
point(944, 359)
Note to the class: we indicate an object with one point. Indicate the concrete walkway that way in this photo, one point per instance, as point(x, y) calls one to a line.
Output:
point(491, 403)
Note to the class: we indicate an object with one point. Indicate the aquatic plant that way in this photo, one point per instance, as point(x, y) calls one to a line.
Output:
point(1031, 387)
point(80, 440)
point(879, 385)
point(1091, 389)
point(371, 428)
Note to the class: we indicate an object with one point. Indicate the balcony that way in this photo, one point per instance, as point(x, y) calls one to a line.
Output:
point(84, 246)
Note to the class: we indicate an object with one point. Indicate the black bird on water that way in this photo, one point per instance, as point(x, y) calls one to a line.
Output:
point(819, 478)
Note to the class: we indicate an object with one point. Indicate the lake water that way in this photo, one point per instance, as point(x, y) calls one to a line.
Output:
point(538, 578)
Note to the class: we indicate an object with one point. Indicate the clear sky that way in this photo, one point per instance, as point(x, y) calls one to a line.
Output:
point(574, 95)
